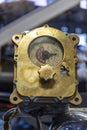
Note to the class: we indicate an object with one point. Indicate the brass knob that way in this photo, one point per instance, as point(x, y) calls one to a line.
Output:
point(46, 72)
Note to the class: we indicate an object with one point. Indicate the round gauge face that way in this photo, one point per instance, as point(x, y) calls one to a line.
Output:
point(45, 50)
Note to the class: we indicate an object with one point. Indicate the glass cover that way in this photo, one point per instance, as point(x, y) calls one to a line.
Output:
point(45, 50)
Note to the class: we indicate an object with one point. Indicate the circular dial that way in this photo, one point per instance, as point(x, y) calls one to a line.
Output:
point(45, 50)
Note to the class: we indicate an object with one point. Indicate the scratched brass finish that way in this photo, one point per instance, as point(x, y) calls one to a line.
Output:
point(50, 76)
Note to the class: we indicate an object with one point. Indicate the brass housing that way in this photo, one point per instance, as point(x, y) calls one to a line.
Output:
point(27, 75)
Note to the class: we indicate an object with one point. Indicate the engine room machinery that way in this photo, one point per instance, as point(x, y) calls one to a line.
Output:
point(45, 76)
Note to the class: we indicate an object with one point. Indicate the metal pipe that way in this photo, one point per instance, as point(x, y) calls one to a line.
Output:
point(39, 123)
point(35, 18)
point(6, 76)
point(4, 96)
point(7, 117)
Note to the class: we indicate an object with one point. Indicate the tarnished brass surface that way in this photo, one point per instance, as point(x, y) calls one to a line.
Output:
point(59, 79)
point(14, 98)
point(46, 72)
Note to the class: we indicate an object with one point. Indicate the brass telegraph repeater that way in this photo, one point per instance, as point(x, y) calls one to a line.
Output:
point(45, 66)
point(45, 78)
